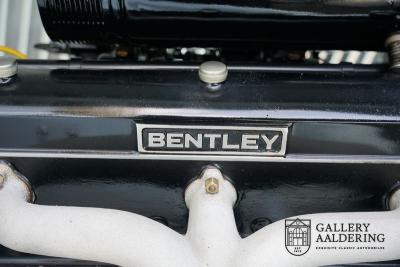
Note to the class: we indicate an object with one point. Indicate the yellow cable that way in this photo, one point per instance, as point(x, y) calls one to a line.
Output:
point(13, 52)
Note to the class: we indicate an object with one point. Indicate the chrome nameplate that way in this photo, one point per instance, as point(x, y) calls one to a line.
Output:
point(212, 140)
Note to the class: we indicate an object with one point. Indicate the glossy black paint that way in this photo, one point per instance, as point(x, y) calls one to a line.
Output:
point(66, 133)
point(342, 113)
point(340, 93)
point(299, 24)
point(118, 135)
point(271, 190)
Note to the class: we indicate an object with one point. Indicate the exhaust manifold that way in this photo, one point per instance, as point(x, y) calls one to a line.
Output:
point(212, 239)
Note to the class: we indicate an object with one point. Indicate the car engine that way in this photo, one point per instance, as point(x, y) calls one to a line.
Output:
point(204, 133)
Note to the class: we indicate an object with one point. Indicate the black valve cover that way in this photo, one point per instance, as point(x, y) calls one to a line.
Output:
point(72, 130)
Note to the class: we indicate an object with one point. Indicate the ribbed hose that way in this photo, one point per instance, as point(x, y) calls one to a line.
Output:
point(85, 12)
point(81, 20)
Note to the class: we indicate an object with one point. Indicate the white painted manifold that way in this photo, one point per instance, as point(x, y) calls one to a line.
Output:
point(212, 239)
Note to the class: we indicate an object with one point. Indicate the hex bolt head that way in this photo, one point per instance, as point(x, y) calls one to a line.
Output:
point(213, 72)
point(212, 186)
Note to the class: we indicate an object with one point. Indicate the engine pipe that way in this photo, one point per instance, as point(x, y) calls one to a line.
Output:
point(308, 24)
point(212, 238)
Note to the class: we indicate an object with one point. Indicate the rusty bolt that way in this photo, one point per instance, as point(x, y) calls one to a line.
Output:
point(122, 53)
point(212, 186)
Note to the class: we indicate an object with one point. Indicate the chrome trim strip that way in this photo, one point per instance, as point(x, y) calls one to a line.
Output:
point(117, 65)
point(291, 158)
point(140, 112)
